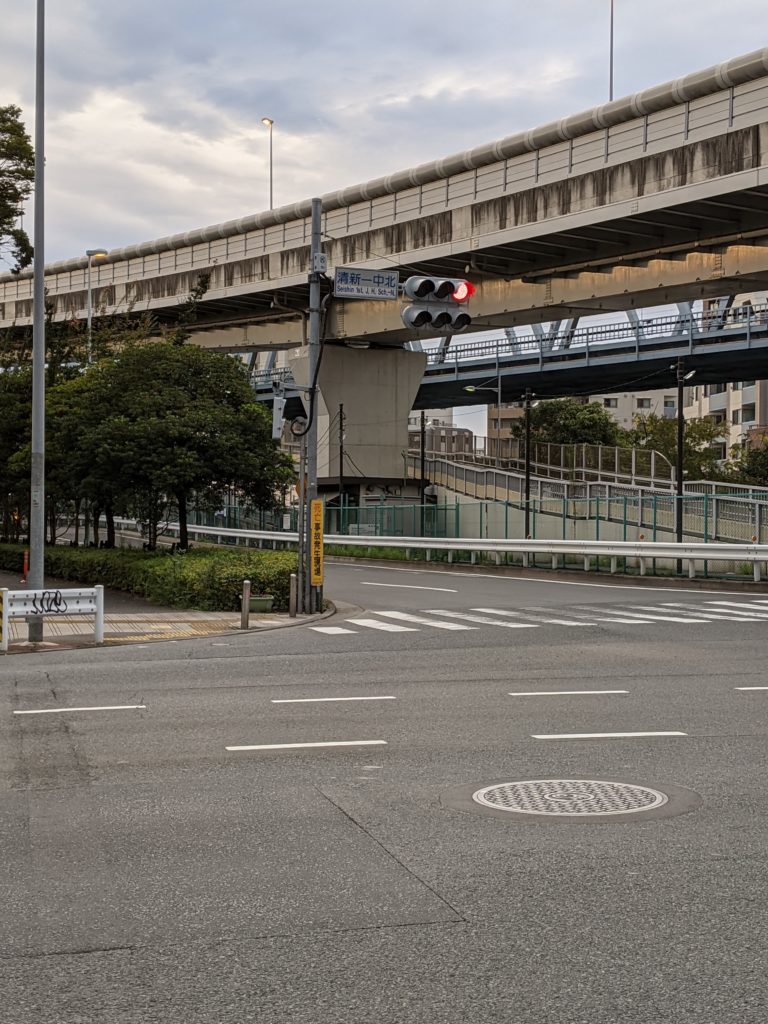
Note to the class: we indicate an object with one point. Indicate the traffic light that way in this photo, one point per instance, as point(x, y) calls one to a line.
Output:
point(437, 303)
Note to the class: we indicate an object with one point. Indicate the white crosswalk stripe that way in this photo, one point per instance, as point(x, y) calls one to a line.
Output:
point(482, 619)
point(386, 627)
point(332, 630)
point(761, 613)
point(536, 618)
point(647, 616)
point(406, 617)
point(706, 613)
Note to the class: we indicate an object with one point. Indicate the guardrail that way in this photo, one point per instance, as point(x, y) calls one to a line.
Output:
point(28, 604)
point(642, 552)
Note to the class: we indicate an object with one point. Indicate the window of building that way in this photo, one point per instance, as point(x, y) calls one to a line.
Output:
point(611, 403)
point(643, 403)
point(736, 417)
point(736, 386)
point(669, 403)
point(717, 389)
point(747, 383)
point(748, 413)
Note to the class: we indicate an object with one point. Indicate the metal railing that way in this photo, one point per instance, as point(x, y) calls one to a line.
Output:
point(640, 555)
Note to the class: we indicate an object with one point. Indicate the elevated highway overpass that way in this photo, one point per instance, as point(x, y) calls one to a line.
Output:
point(657, 197)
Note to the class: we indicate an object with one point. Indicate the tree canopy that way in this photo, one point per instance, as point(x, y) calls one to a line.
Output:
point(568, 421)
point(17, 176)
point(700, 458)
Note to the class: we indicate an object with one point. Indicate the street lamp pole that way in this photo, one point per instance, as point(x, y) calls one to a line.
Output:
point(36, 575)
point(610, 60)
point(91, 253)
point(527, 485)
point(682, 377)
point(270, 123)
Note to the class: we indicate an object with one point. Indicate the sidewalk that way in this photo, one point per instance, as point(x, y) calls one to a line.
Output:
point(129, 619)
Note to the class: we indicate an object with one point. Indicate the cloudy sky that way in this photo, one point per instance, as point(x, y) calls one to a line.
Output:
point(155, 106)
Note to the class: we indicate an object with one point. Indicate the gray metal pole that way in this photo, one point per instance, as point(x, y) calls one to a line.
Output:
point(341, 467)
point(36, 575)
point(423, 468)
point(679, 472)
point(300, 523)
point(314, 355)
point(271, 175)
point(610, 60)
point(89, 314)
point(527, 497)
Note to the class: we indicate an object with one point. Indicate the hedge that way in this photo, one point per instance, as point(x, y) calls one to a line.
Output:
point(204, 578)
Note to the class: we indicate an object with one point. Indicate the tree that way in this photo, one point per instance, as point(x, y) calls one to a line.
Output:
point(173, 423)
point(17, 175)
point(15, 436)
point(751, 466)
point(700, 459)
point(568, 421)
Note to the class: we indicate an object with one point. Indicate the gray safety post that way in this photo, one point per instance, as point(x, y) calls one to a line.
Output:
point(98, 628)
point(245, 607)
point(293, 595)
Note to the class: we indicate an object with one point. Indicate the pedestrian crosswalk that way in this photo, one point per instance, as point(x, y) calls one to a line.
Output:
point(535, 617)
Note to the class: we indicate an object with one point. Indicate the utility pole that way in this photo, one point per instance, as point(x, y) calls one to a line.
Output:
point(527, 497)
point(316, 269)
point(36, 575)
point(301, 525)
point(610, 60)
point(341, 468)
point(423, 469)
point(679, 471)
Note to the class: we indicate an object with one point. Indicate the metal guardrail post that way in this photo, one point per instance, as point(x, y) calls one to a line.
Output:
point(245, 608)
point(293, 595)
point(98, 628)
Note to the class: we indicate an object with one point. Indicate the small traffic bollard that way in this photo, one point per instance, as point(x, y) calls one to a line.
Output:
point(293, 595)
point(245, 606)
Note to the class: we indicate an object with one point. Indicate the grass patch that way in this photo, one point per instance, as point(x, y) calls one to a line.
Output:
point(207, 579)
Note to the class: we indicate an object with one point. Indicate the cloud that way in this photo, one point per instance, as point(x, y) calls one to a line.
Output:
point(154, 108)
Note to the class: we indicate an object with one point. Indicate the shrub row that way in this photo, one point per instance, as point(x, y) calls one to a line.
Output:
point(204, 578)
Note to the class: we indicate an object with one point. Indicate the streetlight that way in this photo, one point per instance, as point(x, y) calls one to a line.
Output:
point(610, 61)
point(269, 123)
point(472, 388)
point(528, 406)
point(682, 377)
point(91, 254)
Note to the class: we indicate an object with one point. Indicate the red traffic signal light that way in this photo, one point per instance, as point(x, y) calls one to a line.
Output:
point(463, 291)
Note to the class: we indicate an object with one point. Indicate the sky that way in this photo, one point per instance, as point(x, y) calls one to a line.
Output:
point(153, 109)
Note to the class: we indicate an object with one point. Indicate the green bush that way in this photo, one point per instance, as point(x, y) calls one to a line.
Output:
point(204, 578)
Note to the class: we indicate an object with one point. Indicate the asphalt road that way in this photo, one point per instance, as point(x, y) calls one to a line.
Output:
point(149, 873)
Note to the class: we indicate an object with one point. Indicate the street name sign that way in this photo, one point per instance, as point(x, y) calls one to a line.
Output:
point(351, 283)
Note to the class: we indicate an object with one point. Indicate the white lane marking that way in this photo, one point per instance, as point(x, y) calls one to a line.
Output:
point(531, 579)
point(387, 627)
point(536, 618)
point(761, 613)
point(406, 586)
point(750, 687)
point(646, 616)
point(332, 630)
point(325, 700)
point(601, 735)
point(561, 693)
point(724, 613)
point(221, 645)
point(303, 746)
point(484, 620)
point(424, 622)
point(106, 707)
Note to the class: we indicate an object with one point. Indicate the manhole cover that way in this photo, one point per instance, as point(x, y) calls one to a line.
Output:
point(569, 797)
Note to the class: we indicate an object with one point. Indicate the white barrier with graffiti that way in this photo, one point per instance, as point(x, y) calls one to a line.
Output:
point(31, 604)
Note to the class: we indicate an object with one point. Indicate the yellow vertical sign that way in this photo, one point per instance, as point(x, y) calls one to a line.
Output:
point(316, 542)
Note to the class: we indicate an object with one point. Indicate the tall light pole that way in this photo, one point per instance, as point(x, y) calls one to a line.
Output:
point(91, 254)
point(682, 377)
point(527, 493)
point(36, 575)
point(610, 60)
point(496, 388)
point(270, 123)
